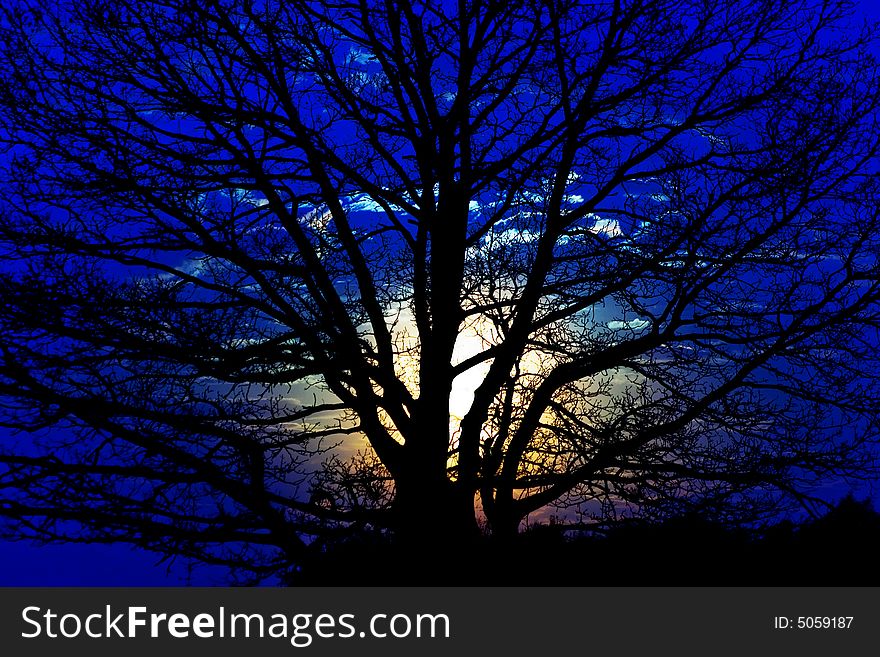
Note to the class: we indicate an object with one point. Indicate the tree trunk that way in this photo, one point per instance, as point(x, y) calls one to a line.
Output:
point(436, 529)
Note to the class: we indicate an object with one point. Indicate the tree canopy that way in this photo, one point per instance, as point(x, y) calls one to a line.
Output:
point(277, 273)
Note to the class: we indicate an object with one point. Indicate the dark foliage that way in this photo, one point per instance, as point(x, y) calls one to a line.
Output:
point(838, 548)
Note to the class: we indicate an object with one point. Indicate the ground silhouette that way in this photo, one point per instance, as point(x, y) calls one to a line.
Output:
point(837, 548)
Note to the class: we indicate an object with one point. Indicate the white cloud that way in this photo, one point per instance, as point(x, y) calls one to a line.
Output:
point(631, 325)
point(607, 227)
point(513, 235)
point(363, 203)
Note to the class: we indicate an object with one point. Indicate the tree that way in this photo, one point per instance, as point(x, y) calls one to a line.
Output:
point(280, 273)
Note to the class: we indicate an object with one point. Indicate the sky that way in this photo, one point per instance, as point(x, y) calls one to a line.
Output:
point(26, 564)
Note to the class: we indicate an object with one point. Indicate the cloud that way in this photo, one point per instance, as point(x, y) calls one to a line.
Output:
point(631, 325)
point(607, 227)
point(363, 203)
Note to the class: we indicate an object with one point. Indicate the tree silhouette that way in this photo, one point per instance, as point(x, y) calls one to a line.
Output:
point(279, 273)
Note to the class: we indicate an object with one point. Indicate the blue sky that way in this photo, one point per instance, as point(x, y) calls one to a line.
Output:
point(26, 564)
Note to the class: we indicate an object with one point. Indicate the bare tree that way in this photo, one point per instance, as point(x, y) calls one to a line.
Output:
point(280, 272)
